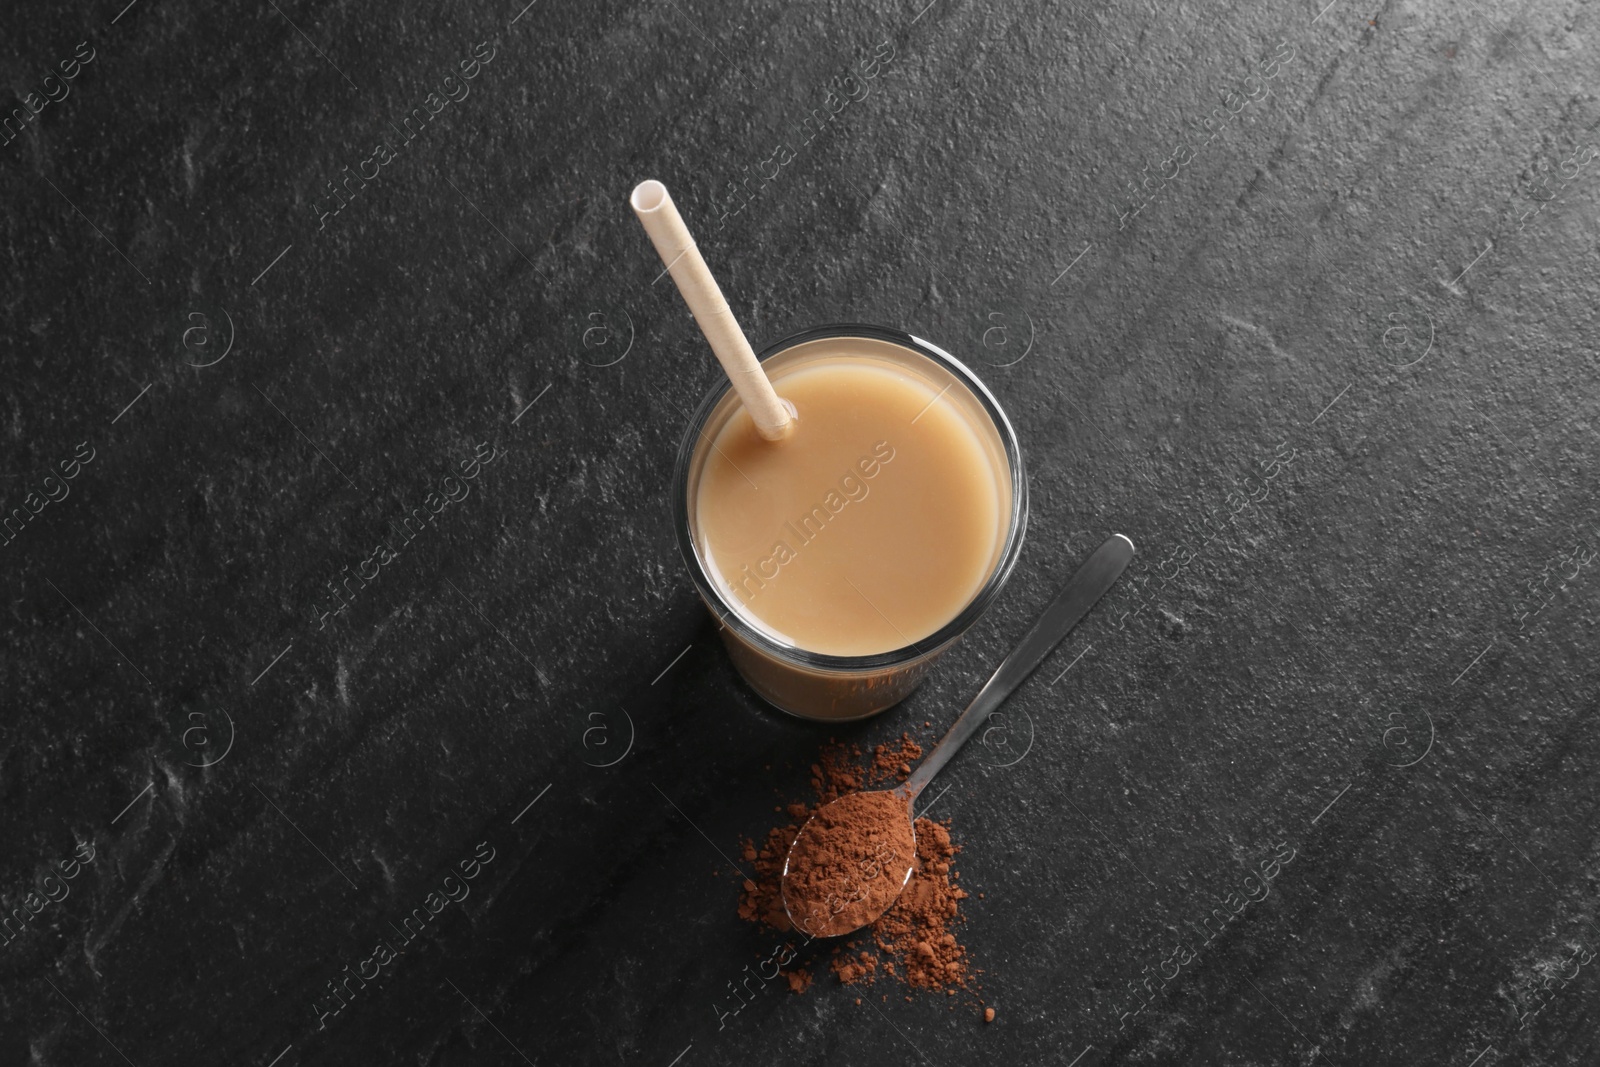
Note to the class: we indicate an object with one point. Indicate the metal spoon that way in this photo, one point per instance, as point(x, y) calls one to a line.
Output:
point(874, 893)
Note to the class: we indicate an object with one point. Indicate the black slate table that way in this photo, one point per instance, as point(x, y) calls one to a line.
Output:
point(1302, 298)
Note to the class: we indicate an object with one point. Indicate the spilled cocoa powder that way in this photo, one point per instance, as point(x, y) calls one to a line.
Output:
point(914, 942)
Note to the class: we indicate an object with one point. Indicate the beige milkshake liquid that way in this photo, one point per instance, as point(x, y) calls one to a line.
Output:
point(873, 525)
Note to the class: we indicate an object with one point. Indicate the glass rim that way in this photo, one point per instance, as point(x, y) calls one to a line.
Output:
point(729, 615)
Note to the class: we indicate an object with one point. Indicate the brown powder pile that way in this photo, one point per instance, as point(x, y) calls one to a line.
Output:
point(914, 941)
point(848, 863)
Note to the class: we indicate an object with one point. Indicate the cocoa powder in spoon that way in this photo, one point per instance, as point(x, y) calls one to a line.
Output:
point(849, 863)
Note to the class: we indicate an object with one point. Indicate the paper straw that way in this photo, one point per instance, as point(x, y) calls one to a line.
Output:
point(700, 291)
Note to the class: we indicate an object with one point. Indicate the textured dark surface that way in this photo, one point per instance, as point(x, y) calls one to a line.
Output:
point(1376, 283)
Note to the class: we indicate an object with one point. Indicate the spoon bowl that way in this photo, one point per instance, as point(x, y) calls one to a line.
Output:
point(849, 862)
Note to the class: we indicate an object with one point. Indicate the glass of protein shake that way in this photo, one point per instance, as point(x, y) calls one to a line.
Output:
point(848, 503)
point(844, 559)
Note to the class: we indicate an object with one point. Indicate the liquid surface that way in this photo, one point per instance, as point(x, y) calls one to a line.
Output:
point(866, 530)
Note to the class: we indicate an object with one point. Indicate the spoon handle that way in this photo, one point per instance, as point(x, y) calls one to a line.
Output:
point(1087, 585)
